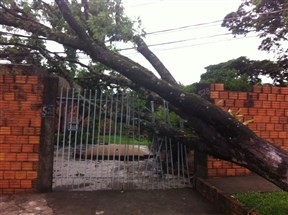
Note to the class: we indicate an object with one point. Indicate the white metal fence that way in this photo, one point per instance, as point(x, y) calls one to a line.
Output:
point(100, 144)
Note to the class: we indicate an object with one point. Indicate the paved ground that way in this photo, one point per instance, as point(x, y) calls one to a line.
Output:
point(156, 202)
point(238, 184)
point(168, 202)
point(25, 204)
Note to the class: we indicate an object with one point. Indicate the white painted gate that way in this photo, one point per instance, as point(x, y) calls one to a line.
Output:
point(100, 145)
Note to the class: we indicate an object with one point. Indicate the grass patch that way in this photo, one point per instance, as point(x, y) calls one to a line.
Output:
point(270, 203)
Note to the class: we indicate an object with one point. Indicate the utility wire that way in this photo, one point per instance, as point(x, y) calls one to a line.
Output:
point(143, 4)
point(204, 24)
point(186, 27)
point(191, 45)
point(197, 25)
point(180, 41)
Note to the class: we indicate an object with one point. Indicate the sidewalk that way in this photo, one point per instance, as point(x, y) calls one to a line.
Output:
point(247, 183)
point(149, 202)
point(219, 191)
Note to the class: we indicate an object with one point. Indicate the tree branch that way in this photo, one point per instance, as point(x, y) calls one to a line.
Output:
point(154, 60)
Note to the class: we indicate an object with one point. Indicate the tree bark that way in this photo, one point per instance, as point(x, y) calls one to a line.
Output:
point(154, 60)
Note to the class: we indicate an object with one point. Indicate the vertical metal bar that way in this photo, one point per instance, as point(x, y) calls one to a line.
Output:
point(93, 134)
point(158, 163)
point(98, 138)
point(187, 164)
point(125, 145)
point(146, 171)
point(155, 162)
point(153, 144)
point(161, 181)
point(58, 132)
point(167, 161)
point(70, 133)
point(172, 162)
point(154, 155)
point(182, 163)
point(81, 136)
point(87, 132)
point(64, 136)
point(139, 139)
point(109, 140)
point(178, 163)
point(120, 138)
point(76, 133)
point(104, 136)
point(115, 135)
point(133, 138)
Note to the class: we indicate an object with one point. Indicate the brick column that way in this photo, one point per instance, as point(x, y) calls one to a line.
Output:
point(20, 121)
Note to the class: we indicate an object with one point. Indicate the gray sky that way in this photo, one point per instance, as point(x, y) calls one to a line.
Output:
point(206, 43)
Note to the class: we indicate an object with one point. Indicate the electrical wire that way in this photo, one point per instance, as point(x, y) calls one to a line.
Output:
point(143, 4)
point(186, 27)
point(178, 41)
point(180, 28)
point(191, 45)
point(203, 24)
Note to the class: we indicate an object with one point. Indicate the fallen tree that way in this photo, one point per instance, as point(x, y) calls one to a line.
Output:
point(222, 136)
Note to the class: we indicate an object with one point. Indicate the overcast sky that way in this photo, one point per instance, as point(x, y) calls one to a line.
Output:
point(206, 43)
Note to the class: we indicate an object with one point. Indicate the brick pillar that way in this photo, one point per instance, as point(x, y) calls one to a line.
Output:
point(20, 111)
point(21, 97)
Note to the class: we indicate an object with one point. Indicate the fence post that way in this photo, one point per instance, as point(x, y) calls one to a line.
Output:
point(200, 164)
point(46, 148)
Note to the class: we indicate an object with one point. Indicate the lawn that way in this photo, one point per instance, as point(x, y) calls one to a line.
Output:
point(124, 140)
point(270, 203)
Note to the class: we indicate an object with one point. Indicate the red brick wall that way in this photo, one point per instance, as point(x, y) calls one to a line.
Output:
point(20, 121)
point(266, 105)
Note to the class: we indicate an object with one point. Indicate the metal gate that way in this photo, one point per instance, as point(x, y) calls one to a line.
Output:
point(101, 144)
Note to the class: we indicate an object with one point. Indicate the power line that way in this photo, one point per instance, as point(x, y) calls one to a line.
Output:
point(180, 41)
point(173, 42)
point(206, 43)
point(197, 25)
point(185, 27)
point(192, 45)
point(204, 24)
point(143, 4)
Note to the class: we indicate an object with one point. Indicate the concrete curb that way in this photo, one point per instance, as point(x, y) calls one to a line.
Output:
point(221, 199)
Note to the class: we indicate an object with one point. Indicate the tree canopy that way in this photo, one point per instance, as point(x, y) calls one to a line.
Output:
point(268, 18)
point(92, 28)
point(242, 73)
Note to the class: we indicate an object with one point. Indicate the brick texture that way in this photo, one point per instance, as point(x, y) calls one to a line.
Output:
point(20, 121)
point(266, 105)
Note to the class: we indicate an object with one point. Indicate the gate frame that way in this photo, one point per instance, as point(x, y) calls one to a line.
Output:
point(46, 147)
